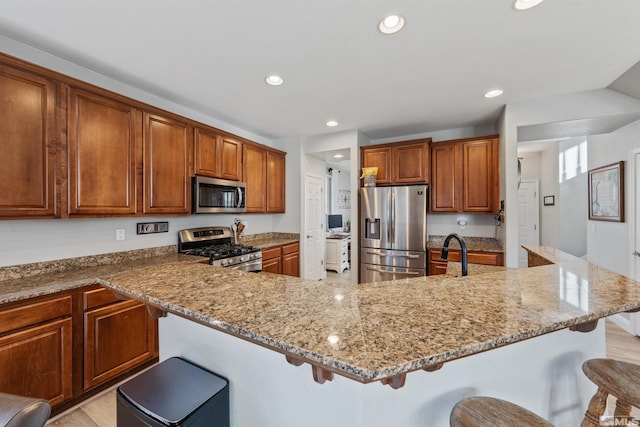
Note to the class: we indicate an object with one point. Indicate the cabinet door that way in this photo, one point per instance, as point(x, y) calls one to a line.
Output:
point(273, 265)
point(230, 153)
point(28, 135)
point(104, 152)
point(411, 164)
point(118, 337)
point(381, 158)
point(445, 177)
point(478, 172)
point(275, 182)
point(167, 165)
point(37, 361)
point(291, 260)
point(206, 157)
point(255, 176)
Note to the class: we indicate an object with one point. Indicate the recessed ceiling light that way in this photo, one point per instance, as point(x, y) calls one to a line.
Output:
point(274, 80)
point(338, 156)
point(525, 4)
point(332, 123)
point(493, 93)
point(391, 24)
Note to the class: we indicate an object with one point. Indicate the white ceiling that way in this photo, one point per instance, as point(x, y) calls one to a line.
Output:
point(213, 56)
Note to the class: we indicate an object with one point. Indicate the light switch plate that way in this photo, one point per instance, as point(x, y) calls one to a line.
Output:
point(152, 227)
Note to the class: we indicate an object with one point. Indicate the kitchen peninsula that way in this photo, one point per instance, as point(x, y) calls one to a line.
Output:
point(353, 335)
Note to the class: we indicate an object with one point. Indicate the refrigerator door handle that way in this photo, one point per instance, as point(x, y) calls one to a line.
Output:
point(390, 217)
point(380, 253)
point(408, 273)
point(393, 217)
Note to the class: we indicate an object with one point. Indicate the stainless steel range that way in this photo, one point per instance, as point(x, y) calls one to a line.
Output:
point(217, 243)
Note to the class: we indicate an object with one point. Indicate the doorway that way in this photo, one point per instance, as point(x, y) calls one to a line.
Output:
point(313, 228)
point(528, 218)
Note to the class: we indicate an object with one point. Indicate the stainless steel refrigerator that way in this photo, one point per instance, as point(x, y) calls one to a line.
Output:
point(393, 232)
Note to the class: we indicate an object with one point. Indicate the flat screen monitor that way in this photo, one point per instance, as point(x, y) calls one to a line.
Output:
point(334, 221)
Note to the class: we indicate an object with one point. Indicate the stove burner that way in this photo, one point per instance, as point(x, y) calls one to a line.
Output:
point(216, 252)
point(216, 244)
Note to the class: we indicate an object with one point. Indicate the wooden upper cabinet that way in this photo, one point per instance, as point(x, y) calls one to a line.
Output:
point(381, 158)
point(255, 176)
point(104, 150)
point(275, 182)
point(411, 163)
point(399, 163)
point(480, 169)
point(28, 134)
point(218, 156)
point(446, 176)
point(465, 175)
point(168, 149)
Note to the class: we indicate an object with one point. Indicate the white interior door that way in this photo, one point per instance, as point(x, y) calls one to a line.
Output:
point(314, 233)
point(635, 229)
point(631, 322)
point(528, 218)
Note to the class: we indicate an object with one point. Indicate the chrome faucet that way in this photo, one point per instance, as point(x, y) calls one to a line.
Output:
point(463, 246)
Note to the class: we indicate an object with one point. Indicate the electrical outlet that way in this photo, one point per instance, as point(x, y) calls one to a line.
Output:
point(120, 234)
point(152, 227)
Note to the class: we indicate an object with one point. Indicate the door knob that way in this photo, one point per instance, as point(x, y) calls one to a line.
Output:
point(309, 236)
point(636, 253)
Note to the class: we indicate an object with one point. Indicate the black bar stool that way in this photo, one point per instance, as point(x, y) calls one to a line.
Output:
point(19, 411)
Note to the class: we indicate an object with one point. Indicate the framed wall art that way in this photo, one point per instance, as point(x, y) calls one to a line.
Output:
point(606, 193)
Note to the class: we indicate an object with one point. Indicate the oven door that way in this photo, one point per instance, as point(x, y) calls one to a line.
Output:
point(211, 195)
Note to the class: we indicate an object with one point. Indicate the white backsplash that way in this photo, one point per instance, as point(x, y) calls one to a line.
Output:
point(477, 225)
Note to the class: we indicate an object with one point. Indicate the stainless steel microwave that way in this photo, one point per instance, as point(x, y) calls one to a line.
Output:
point(212, 195)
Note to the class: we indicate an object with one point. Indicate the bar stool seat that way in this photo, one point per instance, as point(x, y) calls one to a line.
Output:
point(19, 411)
point(481, 411)
point(615, 378)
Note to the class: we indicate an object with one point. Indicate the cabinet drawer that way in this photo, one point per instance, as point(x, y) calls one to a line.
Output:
point(271, 253)
point(97, 297)
point(33, 313)
point(290, 248)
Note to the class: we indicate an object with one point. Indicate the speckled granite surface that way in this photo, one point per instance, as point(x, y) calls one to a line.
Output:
point(269, 240)
point(454, 269)
point(32, 280)
point(386, 328)
point(480, 244)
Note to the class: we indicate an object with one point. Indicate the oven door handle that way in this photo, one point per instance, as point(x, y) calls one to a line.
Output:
point(239, 197)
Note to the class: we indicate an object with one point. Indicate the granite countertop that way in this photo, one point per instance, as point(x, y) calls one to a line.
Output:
point(375, 331)
point(454, 269)
point(269, 240)
point(476, 244)
point(26, 281)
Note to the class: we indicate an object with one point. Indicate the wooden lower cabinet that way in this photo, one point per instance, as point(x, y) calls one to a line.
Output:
point(291, 259)
point(272, 260)
point(117, 337)
point(67, 346)
point(283, 259)
point(36, 361)
point(36, 348)
point(485, 258)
